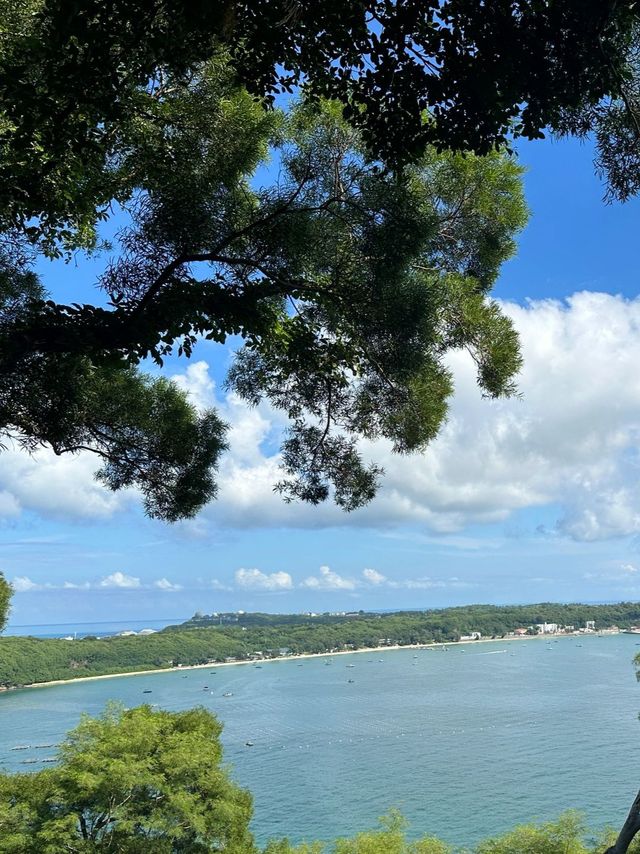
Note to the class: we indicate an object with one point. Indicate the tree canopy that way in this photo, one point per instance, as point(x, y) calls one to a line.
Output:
point(366, 258)
point(347, 284)
point(131, 781)
point(5, 598)
point(457, 74)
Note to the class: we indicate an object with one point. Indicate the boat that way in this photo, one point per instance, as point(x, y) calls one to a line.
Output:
point(351, 680)
point(249, 743)
point(21, 747)
point(147, 691)
point(228, 694)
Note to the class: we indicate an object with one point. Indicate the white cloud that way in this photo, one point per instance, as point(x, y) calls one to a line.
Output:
point(572, 442)
point(253, 579)
point(328, 580)
point(165, 584)
point(119, 579)
point(197, 383)
point(23, 584)
point(59, 487)
point(373, 576)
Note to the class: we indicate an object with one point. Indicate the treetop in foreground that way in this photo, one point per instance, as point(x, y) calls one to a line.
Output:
point(133, 781)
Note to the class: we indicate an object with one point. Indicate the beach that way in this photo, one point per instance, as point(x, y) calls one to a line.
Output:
point(299, 657)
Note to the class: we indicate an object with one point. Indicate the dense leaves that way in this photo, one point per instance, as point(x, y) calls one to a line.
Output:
point(348, 285)
point(130, 782)
point(5, 597)
point(458, 74)
point(348, 278)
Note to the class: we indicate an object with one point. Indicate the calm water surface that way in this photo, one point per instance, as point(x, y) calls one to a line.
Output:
point(465, 742)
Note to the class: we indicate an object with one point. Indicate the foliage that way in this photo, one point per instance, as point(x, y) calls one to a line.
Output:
point(5, 597)
point(457, 74)
point(130, 782)
point(561, 837)
point(348, 285)
point(349, 280)
point(25, 660)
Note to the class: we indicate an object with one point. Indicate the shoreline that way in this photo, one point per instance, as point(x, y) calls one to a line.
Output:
point(300, 656)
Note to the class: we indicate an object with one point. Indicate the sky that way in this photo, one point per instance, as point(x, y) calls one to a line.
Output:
point(526, 500)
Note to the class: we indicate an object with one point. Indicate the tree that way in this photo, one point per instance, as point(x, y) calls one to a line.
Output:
point(348, 285)
point(5, 598)
point(458, 74)
point(141, 103)
point(131, 781)
point(631, 826)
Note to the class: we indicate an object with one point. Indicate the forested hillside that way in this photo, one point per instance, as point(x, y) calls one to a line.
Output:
point(24, 661)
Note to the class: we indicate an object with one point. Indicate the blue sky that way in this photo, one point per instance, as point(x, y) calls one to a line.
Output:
point(517, 501)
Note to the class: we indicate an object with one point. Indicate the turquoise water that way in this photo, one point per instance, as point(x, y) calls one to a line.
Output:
point(465, 742)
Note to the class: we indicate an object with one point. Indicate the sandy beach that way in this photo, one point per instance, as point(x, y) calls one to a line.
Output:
point(374, 649)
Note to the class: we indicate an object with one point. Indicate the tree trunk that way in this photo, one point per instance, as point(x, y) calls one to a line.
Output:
point(629, 830)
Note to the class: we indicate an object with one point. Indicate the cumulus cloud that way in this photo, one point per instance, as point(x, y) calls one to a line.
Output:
point(571, 442)
point(119, 579)
point(373, 576)
point(165, 584)
point(198, 385)
point(254, 579)
point(59, 487)
point(328, 580)
point(23, 584)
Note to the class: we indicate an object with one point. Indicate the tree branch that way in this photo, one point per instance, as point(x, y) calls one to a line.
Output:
point(629, 829)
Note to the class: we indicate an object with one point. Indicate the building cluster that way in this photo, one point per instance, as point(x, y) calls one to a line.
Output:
point(556, 629)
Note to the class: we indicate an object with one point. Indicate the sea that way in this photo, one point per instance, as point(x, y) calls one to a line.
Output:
point(465, 740)
point(104, 628)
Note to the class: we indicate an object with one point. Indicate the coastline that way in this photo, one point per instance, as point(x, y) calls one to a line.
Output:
point(300, 657)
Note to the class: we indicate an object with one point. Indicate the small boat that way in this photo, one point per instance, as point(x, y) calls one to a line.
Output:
point(350, 665)
point(228, 694)
point(351, 680)
point(147, 691)
point(28, 761)
point(21, 747)
point(206, 688)
point(249, 743)
point(42, 746)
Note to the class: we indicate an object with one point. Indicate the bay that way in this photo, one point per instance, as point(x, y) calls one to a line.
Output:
point(466, 741)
